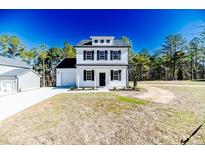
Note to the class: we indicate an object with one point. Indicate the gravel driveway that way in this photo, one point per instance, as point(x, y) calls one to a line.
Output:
point(14, 103)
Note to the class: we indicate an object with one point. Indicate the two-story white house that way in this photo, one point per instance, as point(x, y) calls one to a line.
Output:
point(101, 61)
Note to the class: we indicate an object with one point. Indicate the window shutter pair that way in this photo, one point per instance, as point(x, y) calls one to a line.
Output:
point(119, 55)
point(84, 55)
point(84, 75)
point(119, 75)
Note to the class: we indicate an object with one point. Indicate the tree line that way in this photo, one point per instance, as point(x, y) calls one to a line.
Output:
point(42, 59)
point(176, 59)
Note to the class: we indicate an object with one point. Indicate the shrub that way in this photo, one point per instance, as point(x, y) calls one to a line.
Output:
point(114, 88)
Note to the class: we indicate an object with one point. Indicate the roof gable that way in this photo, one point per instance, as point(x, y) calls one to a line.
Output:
point(13, 62)
point(67, 63)
point(17, 72)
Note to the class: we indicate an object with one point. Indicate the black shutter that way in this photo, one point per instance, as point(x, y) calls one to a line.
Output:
point(84, 57)
point(119, 75)
point(92, 55)
point(105, 54)
point(84, 75)
point(92, 75)
point(119, 52)
point(111, 75)
point(98, 55)
point(111, 52)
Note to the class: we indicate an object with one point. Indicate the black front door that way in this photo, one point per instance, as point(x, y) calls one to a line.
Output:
point(102, 79)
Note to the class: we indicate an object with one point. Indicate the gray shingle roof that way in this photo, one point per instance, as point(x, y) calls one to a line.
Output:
point(15, 72)
point(116, 42)
point(13, 62)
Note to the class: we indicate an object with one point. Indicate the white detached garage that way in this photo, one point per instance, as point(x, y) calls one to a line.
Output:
point(66, 73)
point(16, 76)
point(19, 80)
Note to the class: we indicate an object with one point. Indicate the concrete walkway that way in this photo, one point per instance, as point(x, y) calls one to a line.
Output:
point(14, 103)
point(11, 104)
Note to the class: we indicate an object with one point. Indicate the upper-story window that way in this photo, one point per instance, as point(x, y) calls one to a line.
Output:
point(107, 41)
point(101, 41)
point(96, 41)
point(115, 55)
point(101, 55)
point(88, 55)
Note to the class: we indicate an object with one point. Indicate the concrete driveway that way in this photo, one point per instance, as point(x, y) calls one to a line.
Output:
point(14, 103)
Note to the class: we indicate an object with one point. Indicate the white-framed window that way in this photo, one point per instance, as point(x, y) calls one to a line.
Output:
point(115, 55)
point(101, 55)
point(116, 75)
point(101, 41)
point(107, 41)
point(88, 55)
point(89, 75)
point(96, 41)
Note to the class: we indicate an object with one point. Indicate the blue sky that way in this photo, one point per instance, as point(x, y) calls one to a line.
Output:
point(146, 28)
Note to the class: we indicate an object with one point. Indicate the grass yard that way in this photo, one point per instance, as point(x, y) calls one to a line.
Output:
point(110, 118)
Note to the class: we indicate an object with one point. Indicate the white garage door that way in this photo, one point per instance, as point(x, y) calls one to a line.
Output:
point(8, 85)
point(68, 77)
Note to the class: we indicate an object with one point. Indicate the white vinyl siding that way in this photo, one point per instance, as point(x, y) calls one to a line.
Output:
point(29, 80)
point(66, 77)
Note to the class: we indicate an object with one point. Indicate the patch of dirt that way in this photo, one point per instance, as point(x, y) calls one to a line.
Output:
point(156, 94)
